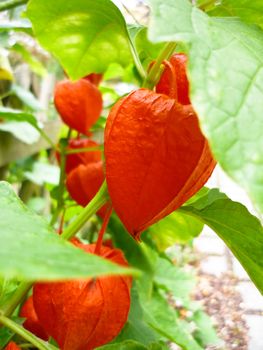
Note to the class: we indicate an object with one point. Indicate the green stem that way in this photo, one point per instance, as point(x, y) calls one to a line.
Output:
point(28, 336)
point(94, 205)
point(9, 4)
point(154, 73)
point(137, 60)
point(60, 200)
point(16, 298)
point(82, 150)
point(46, 137)
point(205, 4)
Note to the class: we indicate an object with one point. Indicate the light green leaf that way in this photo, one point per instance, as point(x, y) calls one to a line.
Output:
point(84, 35)
point(18, 116)
point(226, 77)
point(30, 250)
point(26, 97)
point(126, 345)
point(240, 230)
point(175, 228)
point(249, 11)
point(43, 173)
point(205, 332)
point(21, 130)
point(35, 65)
point(163, 318)
point(174, 279)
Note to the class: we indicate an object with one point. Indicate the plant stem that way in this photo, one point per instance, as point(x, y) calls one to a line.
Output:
point(137, 60)
point(9, 4)
point(60, 200)
point(16, 298)
point(154, 73)
point(94, 205)
point(102, 230)
point(203, 6)
point(40, 344)
point(46, 137)
point(82, 150)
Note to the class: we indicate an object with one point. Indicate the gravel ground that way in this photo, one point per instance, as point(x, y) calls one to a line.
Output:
point(224, 304)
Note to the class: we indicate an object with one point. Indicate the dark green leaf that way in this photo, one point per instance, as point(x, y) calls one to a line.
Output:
point(84, 35)
point(30, 250)
point(240, 230)
point(136, 329)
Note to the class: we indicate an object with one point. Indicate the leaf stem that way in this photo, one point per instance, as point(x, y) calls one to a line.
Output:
point(137, 60)
point(40, 344)
point(60, 200)
point(82, 150)
point(9, 4)
point(16, 298)
point(94, 205)
point(155, 71)
point(45, 136)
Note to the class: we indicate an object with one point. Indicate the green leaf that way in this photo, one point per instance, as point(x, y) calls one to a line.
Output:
point(240, 230)
point(136, 329)
point(26, 97)
point(205, 332)
point(84, 35)
point(30, 250)
point(163, 318)
point(21, 130)
point(43, 173)
point(126, 345)
point(16, 115)
point(174, 228)
point(174, 279)
point(226, 77)
point(248, 11)
point(35, 65)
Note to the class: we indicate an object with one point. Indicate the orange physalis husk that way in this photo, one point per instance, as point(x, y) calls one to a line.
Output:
point(32, 323)
point(85, 314)
point(94, 78)
point(156, 158)
point(75, 159)
point(78, 103)
point(84, 182)
point(12, 346)
point(178, 61)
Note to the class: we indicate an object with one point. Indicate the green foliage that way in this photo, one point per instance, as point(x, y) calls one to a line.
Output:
point(225, 72)
point(85, 36)
point(240, 230)
point(248, 11)
point(175, 228)
point(30, 250)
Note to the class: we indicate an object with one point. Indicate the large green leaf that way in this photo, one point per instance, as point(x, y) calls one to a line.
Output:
point(247, 10)
point(84, 35)
point(226, 75)
point(240, 230)
point(174, 228)
point(30, 250)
